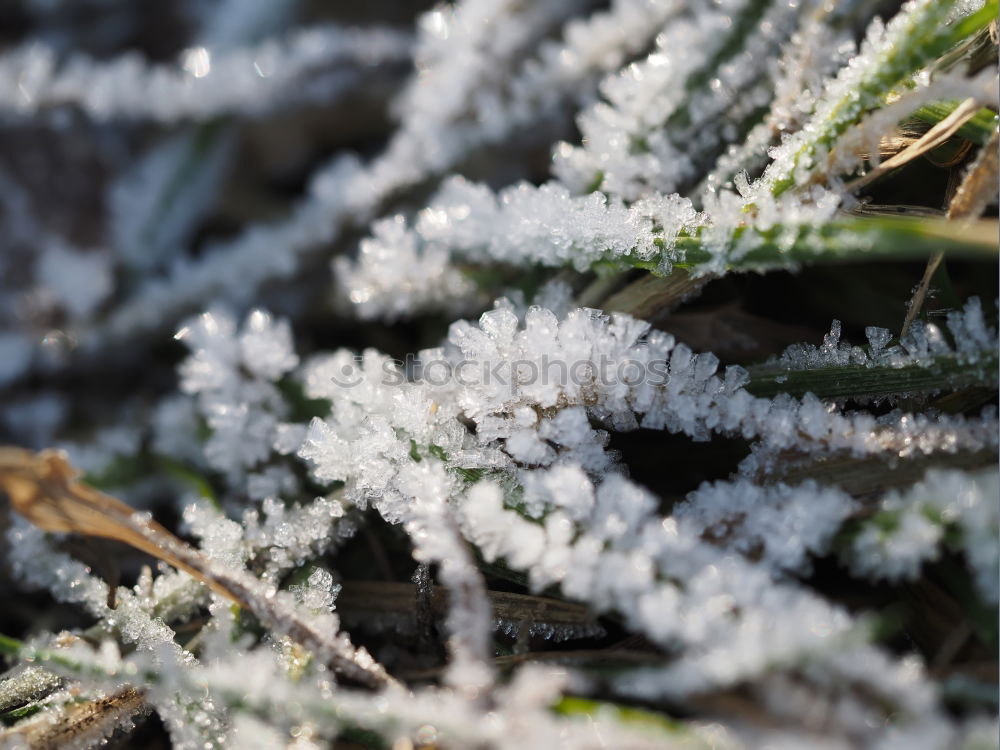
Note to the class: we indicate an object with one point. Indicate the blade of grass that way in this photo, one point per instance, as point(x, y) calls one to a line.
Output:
point(979, 128)
point(857, 381)
point(842, 241)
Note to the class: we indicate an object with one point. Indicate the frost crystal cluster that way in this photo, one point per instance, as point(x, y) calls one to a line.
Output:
point(469, 374)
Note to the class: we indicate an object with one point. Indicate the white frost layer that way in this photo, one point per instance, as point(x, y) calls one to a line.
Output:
point(911, 525)
point(203, 84)
point(343, 193)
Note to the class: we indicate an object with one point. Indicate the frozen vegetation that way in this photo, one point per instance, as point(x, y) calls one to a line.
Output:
point(469, 375)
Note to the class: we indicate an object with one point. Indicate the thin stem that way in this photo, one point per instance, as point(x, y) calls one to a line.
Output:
point(840, 241)
point(917, 301)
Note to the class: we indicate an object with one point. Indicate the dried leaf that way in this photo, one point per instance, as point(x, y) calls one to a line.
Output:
point(44, 489)
point(928, 142)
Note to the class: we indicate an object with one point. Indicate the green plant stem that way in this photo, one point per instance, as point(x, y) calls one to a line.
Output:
point(857, 381)
point(841, 241)
point(670, 730)
point(869, 476)
point(50, 657)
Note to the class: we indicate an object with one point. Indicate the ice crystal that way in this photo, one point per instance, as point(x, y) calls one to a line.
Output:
point(781, 526)
point(972, 335)
point(233, 377)
point(909, 527)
